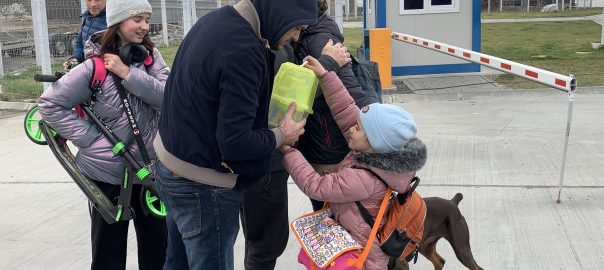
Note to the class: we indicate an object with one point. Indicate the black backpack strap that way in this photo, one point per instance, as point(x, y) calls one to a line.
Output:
point(366, 216)
point(130, 115)
point(402, 197)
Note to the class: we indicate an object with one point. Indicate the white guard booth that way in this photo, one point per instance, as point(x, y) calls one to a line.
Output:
point(455, 22)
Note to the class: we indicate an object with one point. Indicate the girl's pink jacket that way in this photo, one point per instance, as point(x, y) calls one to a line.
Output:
point(359, 177)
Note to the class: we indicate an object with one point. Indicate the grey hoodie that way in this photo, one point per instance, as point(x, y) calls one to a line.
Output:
point(144, 87)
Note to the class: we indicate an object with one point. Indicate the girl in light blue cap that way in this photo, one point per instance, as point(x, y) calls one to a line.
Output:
point(384, 153)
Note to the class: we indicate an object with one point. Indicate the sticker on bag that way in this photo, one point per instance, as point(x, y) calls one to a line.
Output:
point(322, 238)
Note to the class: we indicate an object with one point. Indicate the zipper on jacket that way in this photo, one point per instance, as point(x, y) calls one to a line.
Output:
point(327, 137)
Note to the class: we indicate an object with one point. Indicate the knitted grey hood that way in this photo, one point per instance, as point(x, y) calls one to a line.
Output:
point(395, 169)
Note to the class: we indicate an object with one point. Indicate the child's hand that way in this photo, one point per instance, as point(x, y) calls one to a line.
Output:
point(315, 66)
point(284, 148)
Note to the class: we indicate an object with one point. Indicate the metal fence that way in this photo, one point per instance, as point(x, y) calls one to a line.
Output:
point(37, 36)
point(537, 5)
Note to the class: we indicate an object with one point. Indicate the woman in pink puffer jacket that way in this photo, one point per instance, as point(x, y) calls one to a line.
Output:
point(385, 152)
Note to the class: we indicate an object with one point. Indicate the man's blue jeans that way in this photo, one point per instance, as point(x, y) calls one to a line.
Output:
point(202, 220)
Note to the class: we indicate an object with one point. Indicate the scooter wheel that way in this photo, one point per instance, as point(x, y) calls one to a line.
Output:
point(32, 128)
point(152, 203)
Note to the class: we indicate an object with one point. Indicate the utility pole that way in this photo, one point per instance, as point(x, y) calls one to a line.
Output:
point(602, 36)
point(164, 23)
point(339, 17)
point(186, 17)
point(194, 12)
point(346, 8)
point(40, 23)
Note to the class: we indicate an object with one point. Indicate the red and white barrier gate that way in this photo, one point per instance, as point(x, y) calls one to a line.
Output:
point(555, 80)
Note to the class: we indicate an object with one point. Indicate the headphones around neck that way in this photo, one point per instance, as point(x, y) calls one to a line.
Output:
point(135, 53)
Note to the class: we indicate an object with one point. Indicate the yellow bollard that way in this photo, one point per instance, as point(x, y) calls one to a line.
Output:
point(380, 51)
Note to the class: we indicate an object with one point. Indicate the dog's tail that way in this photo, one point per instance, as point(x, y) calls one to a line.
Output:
point(457, 198)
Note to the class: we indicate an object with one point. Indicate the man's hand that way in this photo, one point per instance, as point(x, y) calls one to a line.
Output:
point(338, 52)
point(291, 130)
point(70, 64)
point(114, 64)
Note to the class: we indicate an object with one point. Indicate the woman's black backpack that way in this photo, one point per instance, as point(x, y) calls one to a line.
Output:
point(368, 75)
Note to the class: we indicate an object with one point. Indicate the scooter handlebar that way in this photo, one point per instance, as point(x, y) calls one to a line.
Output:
point(48, 78)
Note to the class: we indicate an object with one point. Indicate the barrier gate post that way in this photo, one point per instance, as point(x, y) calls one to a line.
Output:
point(569, 119)
point(557, 81)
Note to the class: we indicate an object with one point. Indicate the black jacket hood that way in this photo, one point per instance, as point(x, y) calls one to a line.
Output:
point(279, 16)
point(325, 25)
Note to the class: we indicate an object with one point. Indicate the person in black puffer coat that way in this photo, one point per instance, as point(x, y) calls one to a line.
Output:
point(323, 144)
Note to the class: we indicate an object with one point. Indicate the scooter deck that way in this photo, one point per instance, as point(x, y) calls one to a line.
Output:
point(110, 212)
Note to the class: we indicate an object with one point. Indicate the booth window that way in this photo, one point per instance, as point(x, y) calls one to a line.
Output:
point(428, 6)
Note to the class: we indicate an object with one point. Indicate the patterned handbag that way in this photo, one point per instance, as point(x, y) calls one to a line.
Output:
point(327, 245)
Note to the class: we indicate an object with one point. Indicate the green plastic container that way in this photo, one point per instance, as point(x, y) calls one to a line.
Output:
point(292, 83)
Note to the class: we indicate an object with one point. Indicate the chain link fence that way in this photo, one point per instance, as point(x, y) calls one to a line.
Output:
point(19, 47)
point(171, 30)
point(352, 10)
point(25, 32)
point(520, 5)
point(537, 5)
point(21, 55)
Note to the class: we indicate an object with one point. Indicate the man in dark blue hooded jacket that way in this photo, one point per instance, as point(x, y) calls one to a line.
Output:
point(213, 140)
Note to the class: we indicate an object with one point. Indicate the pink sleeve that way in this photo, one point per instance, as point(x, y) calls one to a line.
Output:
point(347, 185)
point(341, 104)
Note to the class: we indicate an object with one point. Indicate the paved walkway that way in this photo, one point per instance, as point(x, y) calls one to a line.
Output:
point(501, 148)
point(503, 152)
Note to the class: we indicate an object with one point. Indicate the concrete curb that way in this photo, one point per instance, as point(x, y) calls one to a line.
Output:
point(469, 95)
point(16, 106)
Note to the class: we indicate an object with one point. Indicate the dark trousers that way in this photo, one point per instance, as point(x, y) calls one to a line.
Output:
point(264, 221)
point(316, 205)
point(109, 241)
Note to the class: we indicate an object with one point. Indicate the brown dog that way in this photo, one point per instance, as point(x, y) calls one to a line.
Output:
point(443, 220)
